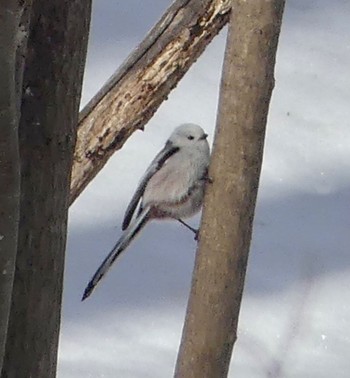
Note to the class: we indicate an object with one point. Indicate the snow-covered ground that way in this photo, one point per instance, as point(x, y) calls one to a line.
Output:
point(295, 318)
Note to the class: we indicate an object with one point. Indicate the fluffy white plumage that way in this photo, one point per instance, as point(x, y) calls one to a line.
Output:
point(172, 187)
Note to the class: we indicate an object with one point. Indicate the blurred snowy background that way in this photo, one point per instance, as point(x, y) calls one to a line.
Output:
point(295, 318)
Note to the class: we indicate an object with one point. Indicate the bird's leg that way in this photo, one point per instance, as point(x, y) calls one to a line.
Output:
point(188, 226)
point(195, 231)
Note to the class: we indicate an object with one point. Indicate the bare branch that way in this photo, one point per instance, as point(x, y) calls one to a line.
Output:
point(136, 90)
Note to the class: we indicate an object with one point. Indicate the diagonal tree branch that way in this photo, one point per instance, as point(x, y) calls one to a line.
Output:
point(133, 94)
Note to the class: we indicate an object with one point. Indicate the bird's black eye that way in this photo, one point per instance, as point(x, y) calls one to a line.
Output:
point(190, 137)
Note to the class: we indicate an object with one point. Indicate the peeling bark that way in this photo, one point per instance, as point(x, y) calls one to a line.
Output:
point(137, 89)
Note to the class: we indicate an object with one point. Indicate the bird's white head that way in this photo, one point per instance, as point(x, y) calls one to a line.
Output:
point(189, 135)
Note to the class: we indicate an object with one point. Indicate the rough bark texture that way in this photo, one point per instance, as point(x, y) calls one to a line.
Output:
point(12, 46)
point(52, 86)
point(136, 90)
point(212, 315)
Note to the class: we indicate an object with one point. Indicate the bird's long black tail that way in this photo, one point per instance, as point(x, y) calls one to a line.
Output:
point(126, 238)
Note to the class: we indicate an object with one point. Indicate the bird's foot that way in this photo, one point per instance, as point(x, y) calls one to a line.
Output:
point(196, 235)
point(207, 178)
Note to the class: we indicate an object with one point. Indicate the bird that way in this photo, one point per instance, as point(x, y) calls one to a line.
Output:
point(172, 188)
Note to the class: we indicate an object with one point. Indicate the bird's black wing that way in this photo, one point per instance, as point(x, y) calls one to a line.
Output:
point(168, 150)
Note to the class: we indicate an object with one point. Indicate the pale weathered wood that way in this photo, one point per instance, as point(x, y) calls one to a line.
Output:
point(212, 315)
point(136, 90)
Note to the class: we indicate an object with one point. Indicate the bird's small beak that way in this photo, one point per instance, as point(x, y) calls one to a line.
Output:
point(204, 136)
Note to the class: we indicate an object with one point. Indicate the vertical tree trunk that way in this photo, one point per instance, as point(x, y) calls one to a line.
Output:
point(212, 315)
point(52, 86)
point(13, 28)
point(9, 161)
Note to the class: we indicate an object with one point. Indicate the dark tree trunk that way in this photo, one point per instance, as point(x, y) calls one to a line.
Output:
point(212, 315)
point(52, 86)
point(13, 29)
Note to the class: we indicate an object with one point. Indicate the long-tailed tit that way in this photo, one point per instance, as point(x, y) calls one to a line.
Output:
point(172, 187)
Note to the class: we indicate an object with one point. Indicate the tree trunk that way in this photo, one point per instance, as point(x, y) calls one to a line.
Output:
point(52, 86)
point(12, 44)
point(136, 90)
point(212, 315)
